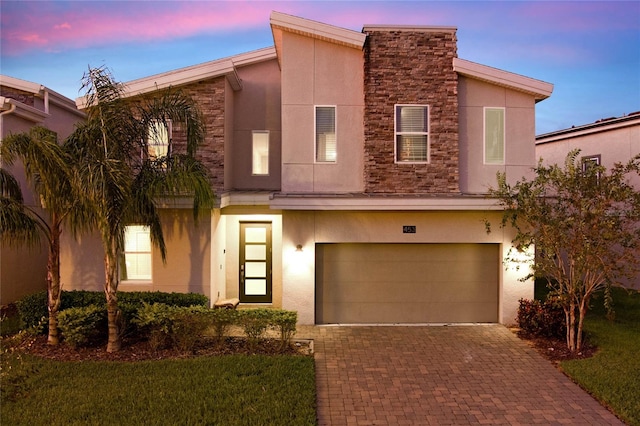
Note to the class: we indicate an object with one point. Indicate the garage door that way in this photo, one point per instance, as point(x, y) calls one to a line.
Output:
point(406, 283)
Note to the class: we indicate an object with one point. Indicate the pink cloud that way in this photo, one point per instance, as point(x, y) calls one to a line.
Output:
point(86, 24)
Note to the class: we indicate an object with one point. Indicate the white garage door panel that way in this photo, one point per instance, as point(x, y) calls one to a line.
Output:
point(406, 283)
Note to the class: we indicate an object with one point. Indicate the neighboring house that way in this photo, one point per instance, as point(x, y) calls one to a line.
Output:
point(351, 170)
point(605, 142)
point(23, 105)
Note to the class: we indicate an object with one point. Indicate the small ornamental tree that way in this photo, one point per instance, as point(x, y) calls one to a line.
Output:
point(584, 222)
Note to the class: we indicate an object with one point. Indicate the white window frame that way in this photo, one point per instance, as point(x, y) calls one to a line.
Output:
point(317, 135)
point(485, 142)
point(596, 159)
point(131, 248)
point(256, 158)
point(426, 133)
point(152, 138)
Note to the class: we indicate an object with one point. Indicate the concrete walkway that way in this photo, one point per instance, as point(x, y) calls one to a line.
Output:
point(437, 375)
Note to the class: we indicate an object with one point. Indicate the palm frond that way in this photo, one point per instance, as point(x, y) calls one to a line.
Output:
point(17, 226)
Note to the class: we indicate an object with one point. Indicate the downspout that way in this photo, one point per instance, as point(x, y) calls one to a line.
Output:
point(46, 99)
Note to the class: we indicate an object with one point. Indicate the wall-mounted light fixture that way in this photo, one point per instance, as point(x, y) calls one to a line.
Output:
point(299, 247)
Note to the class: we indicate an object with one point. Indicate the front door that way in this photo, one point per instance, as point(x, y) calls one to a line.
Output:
point(255, 262)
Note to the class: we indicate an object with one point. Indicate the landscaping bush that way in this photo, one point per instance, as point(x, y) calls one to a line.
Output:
point(188, 326)
point(172, 326)
point(222, 319)
point(284, 322)
point(254, 323)
point(82, 325)
point(154, 323)
point(545, 319)
point(33, 308)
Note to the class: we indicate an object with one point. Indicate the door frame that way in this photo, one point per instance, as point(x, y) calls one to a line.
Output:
point(268, 296)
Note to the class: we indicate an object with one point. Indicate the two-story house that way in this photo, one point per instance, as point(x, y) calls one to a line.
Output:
point(23, 105)
point(351, 170)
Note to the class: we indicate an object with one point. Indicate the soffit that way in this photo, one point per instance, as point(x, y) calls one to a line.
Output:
point(281, 22)
point(226, 67)
point(539, 89)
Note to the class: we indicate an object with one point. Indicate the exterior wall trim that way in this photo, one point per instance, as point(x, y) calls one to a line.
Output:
point(588, 129)
point(11, 106)
point(389, 203)
point(539, 89)
point(317, 30)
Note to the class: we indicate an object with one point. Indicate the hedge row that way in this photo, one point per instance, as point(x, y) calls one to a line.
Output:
point(33, 308)
point(179, 327)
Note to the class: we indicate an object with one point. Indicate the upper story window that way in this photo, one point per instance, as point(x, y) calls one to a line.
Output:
point(412, 133)
point(494, 136)
point(159, 139)
point(326, 149)
point(137, 254)
point(260, 153)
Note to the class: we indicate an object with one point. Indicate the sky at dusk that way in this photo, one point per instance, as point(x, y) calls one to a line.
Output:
point(589, 50)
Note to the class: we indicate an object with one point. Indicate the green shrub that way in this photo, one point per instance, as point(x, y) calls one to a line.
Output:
point(79, 326)
point(254, 323)
point(222, 319)
point(172, 326)
point(188, 325)
point(544, 319)
point(154, 323)
point(33, 308)
point(284, 322)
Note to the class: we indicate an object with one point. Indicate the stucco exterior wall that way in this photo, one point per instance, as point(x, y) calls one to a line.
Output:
point(316, 72)
point(256, 107)
point(23, 269)
point(614, 145)
point(474, 95)
point(309, 228)
point(187, 267)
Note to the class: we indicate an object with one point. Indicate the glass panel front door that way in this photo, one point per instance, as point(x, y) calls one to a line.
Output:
point(255, 262)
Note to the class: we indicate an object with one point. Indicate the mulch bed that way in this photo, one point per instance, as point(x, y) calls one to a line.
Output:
point(139, 350)
point(555, 350)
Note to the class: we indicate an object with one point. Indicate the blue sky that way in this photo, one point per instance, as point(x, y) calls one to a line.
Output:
point(589, 50)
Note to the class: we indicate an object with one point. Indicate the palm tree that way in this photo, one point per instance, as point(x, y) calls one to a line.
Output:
point(48, 171)
point(120, 182)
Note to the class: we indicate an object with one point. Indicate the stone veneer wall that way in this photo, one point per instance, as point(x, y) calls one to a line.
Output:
point(410, 66)
point(18, 95)
point(209, 95)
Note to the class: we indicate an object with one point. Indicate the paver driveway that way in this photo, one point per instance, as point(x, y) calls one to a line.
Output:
point(444, 375)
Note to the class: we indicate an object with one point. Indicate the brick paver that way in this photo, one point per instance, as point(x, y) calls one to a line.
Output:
point(441, 375)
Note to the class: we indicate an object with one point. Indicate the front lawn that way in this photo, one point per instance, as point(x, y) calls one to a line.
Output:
point(224, 390)
point(613, 374)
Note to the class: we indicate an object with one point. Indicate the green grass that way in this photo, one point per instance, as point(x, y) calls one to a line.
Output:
point(225, 390)
point(613, 374)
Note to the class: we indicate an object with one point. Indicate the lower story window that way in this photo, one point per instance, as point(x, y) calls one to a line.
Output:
point(136, 262)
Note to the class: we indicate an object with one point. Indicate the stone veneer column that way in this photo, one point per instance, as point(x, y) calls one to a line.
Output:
point(410, 66)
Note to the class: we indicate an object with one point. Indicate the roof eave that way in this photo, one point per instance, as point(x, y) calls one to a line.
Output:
point(539, 89)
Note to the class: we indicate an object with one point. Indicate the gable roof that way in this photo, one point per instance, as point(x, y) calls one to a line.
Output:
point(226, 67)
point(39, 91)
point(539, 89)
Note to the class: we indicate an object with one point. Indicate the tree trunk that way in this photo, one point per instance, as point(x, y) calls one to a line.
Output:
point(571, 327)
point(53, 283)
point(111, 293)
point(583, 312)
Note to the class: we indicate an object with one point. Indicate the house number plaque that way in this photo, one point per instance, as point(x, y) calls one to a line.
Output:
point(409, 229)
